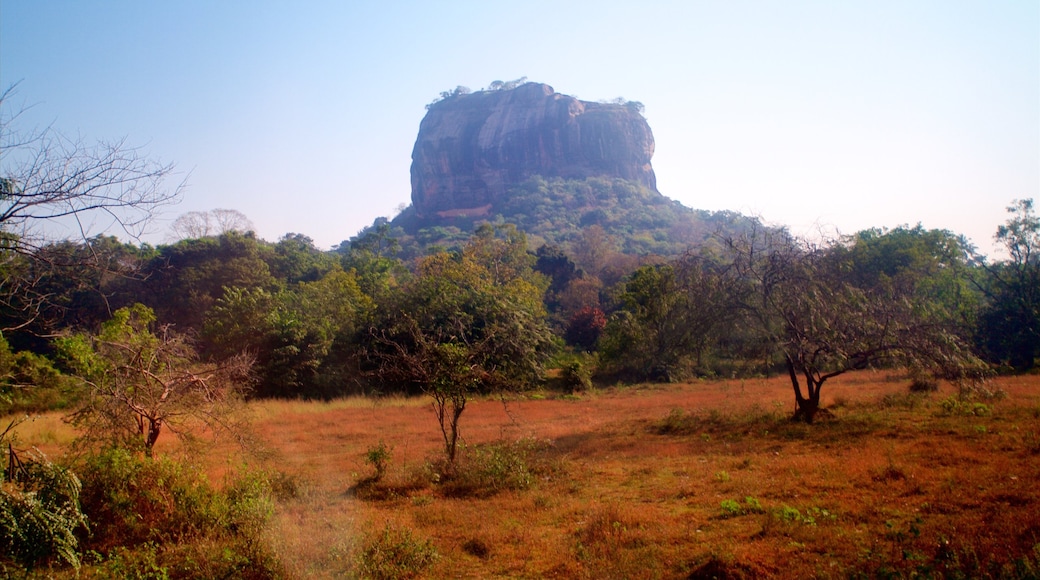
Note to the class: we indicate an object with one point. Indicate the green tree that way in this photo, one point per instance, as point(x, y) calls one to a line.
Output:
point(468, 322)
point(822, 325)
point(302, 338)
point(670, 316)
point(187, 278)
point(1009, 329)
point(50, 180)
point(141, 380)
point(295, 259)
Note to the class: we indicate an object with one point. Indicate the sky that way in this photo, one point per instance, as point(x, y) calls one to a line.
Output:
point(827, 117)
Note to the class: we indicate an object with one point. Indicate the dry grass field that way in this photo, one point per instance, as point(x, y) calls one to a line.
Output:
point(699, 480)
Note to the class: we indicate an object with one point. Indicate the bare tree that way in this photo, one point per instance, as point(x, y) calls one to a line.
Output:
point(216, 222)
point(48, 176)
point(51, 182)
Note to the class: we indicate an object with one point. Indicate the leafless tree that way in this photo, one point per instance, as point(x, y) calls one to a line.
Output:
point(47, 176)
point(201, 224)
point(51, 182)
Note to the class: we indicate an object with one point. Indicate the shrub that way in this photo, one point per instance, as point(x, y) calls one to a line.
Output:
point(577, 376)
point(678, 422)
point(489, 469)
point(379, 458)
point(395, 553)
point(40, 515)
point(132, 500)
point(135, 504)
point(922, 382)
point(731, 508)
point(585, 327)
point(956, 406)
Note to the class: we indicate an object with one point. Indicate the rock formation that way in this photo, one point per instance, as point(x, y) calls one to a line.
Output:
point(473, 147)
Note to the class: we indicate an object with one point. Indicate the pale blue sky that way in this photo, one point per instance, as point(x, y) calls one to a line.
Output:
point(833, 115)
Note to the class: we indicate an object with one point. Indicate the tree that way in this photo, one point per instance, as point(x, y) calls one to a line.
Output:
point(50, 183)
point(187, 278)
point(585, 327)
point(46, 176)
point(70, 284)
point(301, 338)
point(822, 325)
point(141, 380)
point(1009, 329)
point(468, 322)
point(670, 315)
point(215, 222)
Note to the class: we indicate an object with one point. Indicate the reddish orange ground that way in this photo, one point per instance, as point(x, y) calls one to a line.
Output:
point(634, 482)
point(879, 487)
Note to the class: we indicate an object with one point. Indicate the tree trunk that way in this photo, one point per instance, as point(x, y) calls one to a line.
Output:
point(805, 408)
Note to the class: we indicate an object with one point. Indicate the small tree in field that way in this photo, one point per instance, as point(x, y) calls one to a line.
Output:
point(823, 325)
point(467, 323)
point(141, 380)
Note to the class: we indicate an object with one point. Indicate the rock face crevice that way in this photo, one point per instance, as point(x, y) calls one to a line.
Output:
point(473, 147)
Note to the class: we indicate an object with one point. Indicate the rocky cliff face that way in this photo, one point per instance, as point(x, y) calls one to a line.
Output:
point(471, 148)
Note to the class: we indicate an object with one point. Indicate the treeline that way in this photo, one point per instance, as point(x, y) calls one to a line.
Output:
point(363, 319)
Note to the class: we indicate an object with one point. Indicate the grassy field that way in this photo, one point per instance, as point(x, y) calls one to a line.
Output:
point(699, 480)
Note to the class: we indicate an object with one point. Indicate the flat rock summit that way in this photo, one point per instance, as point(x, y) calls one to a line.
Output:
point(472, 147)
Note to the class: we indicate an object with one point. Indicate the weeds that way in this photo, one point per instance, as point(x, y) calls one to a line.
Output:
point(731, 508)
point(40, 514)
point(395, 553)
point(379, 457)
point(488, 469)
point(955, 406)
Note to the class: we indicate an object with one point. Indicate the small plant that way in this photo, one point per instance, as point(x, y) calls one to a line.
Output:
point(787, 513)
point(731, 508)
point(811, 516)
point(955, 406)
point(489, 469)
point(477, 547)
point(722, 476)
point(395, 553)
point(678, 422)
point(922, 382)
point(379, 457)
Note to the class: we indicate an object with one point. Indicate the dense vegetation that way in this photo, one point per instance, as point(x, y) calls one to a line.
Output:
point(319, 324)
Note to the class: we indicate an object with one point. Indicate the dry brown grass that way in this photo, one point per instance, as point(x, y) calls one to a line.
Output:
point(630, 483)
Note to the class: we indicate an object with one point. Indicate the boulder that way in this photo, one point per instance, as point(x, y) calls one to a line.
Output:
point(473, 147)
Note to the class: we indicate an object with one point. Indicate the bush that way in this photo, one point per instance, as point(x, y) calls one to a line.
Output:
point(379, 458)
point(40, 515)
point(135, 504)
point(577, 376)
point(489, 469)
point(395, 553)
